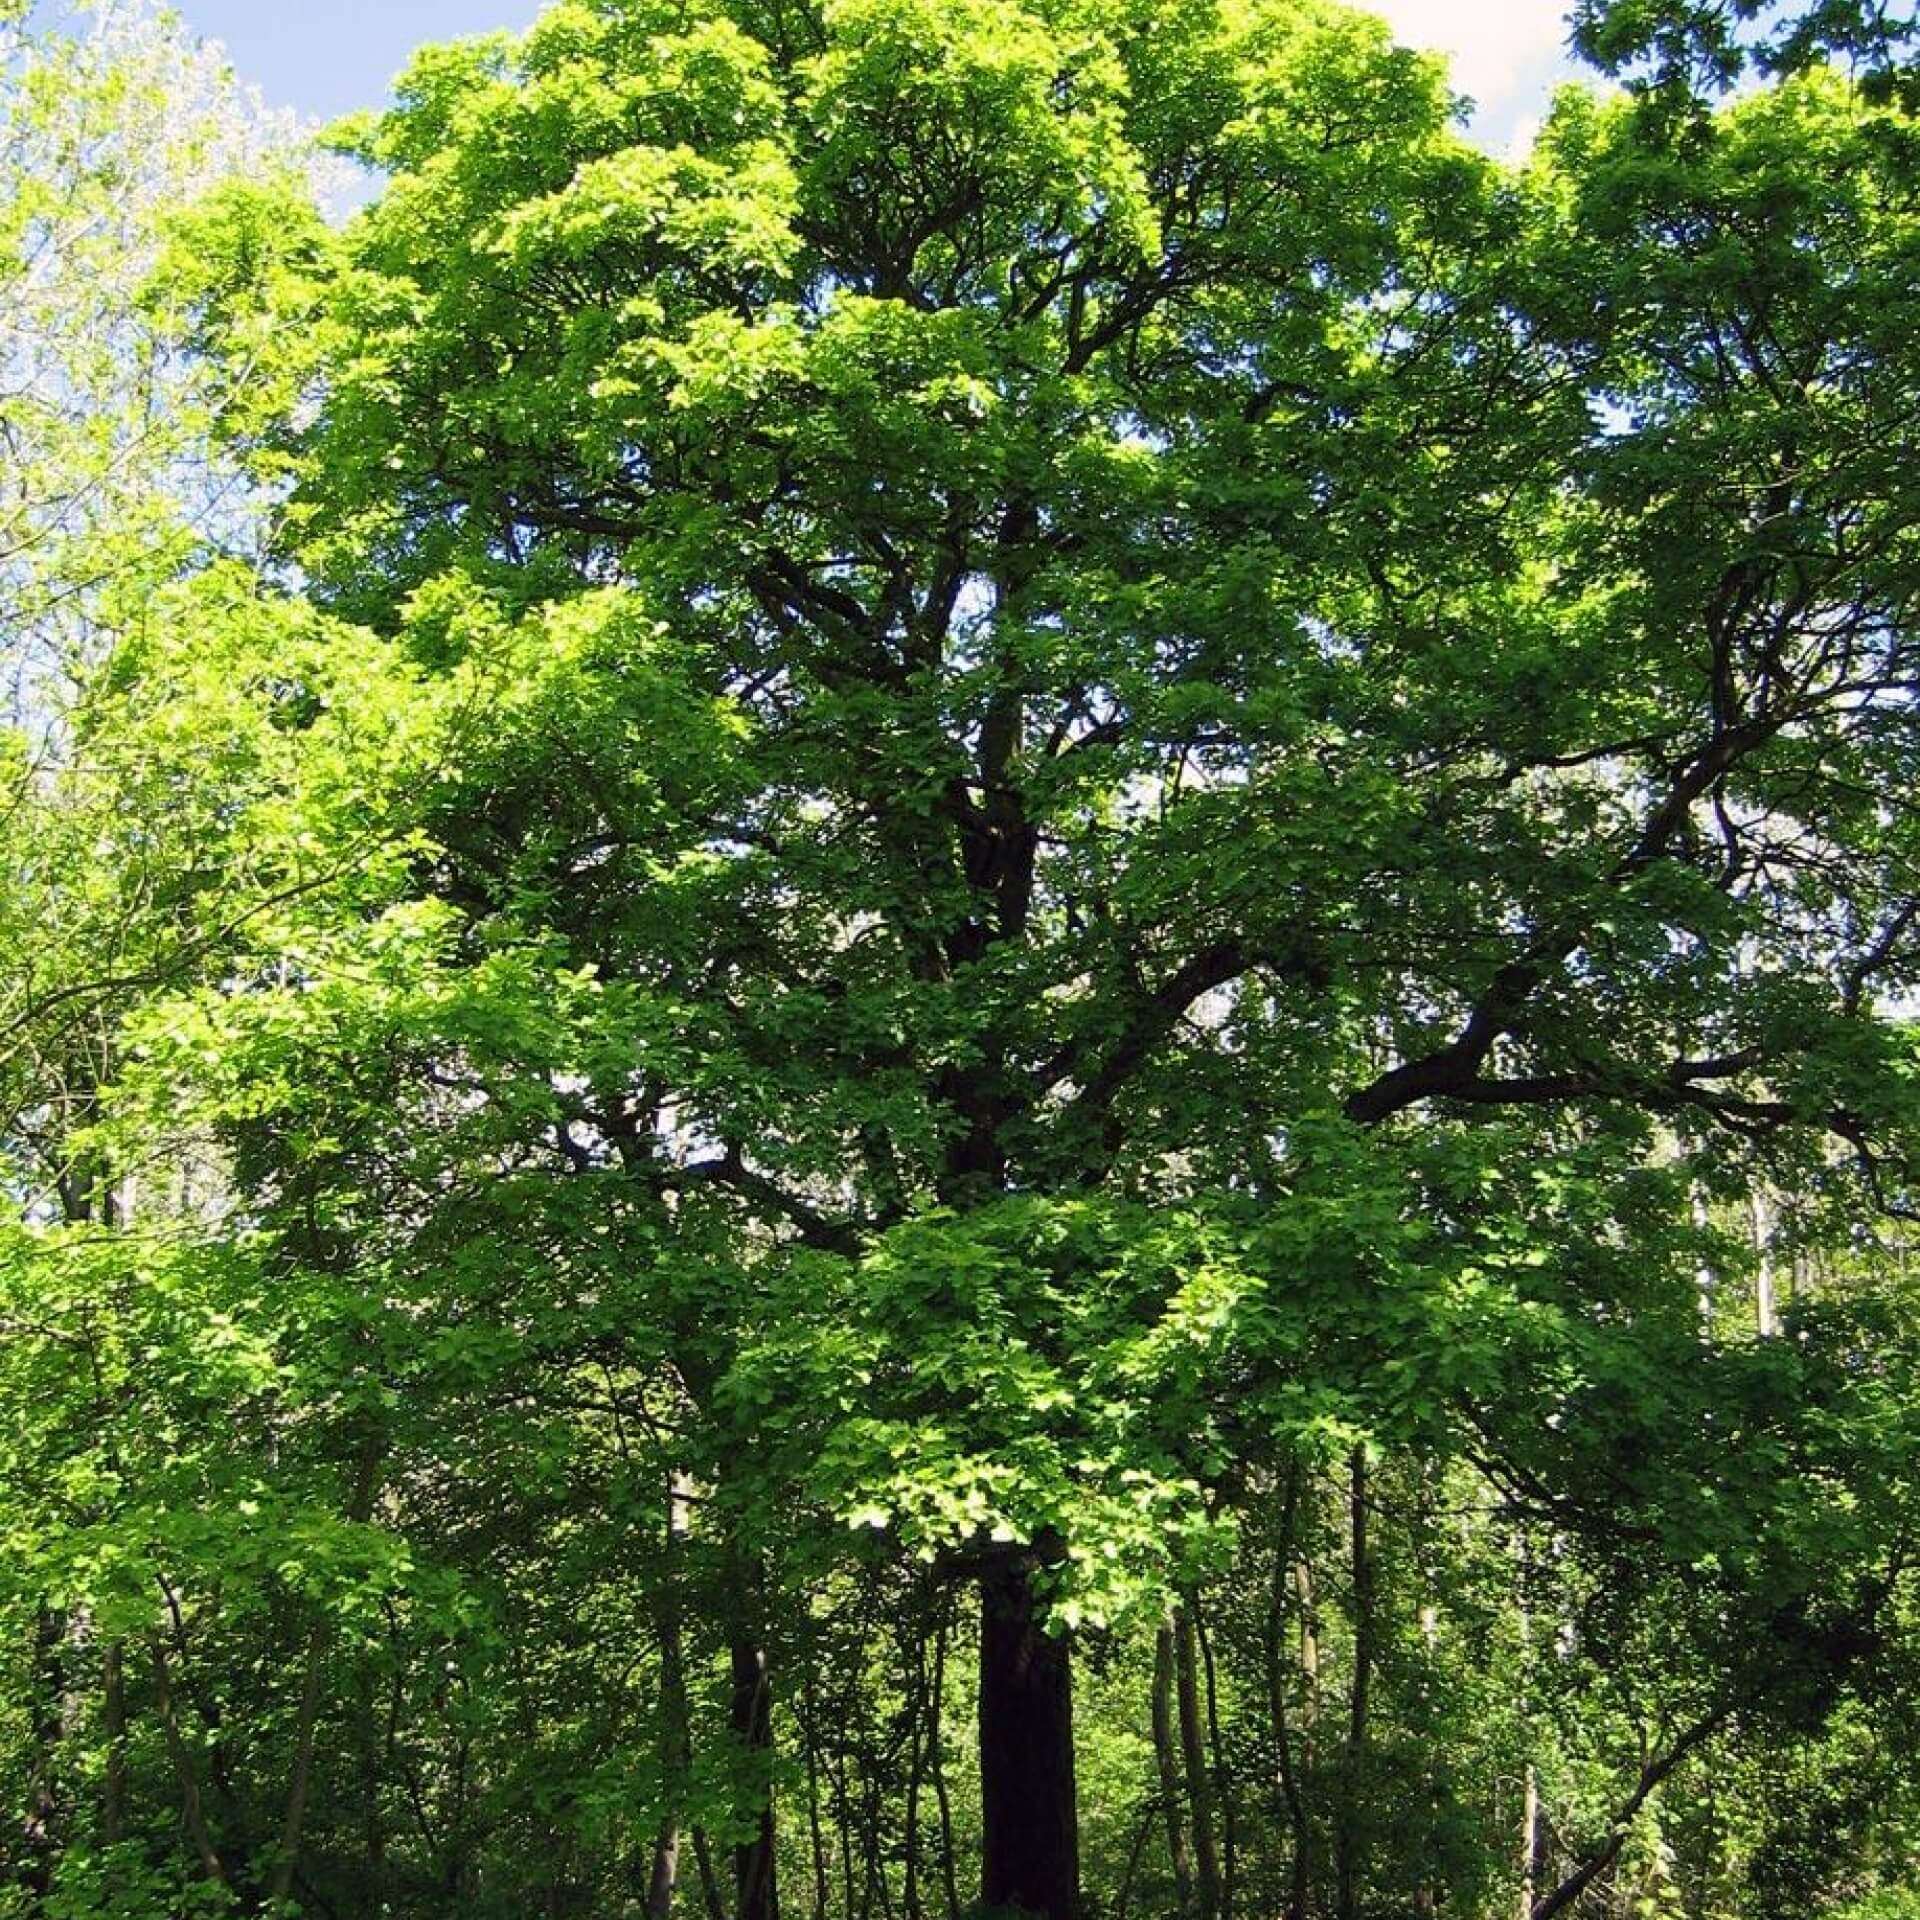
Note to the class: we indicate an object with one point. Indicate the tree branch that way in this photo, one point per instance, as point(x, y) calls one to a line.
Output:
point(1651, 1775)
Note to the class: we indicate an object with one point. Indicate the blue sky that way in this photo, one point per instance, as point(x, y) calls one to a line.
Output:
point(326, 57)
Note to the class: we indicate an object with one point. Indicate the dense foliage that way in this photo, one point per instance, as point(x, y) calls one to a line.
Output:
point(1016, 1019)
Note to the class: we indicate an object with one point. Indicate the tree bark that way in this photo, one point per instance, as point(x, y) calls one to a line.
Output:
point(373, 1826)
point(1290, 1795)
point(1347, 1827)
point(1030, 1835)
point(665, 1873)
point(293, 1825)
point(192, 1810)
point(676, 1738)
point(113, 1809)
point(1168, 1762)
point(1766, 1310)
point(312, 1687)
point(920, 1737)
point(1193, 1750)
point(709, 1880)
point(1652, 1775)
point(809, 1737)
point(1221, 1775)
point(1309, 1659)
point(751, 1717)
point(1533, 1843)
point(937, 1763)
point(41, 1835)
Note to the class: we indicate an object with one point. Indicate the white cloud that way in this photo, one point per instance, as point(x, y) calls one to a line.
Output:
point(1507, 56)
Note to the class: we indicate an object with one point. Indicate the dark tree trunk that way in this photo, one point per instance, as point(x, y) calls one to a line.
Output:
point(676, 1762)
point(1347, 1835)
point(810, 1739)
point(1284, 1569)
point(1030, 1841)
point(1217, 1750)
point(937, 1762)
point(1193, 1750)
point(709, 1880)
point(113, 1816)
point(1167, 1762)
point(373, 1825)
point(752, 1721)
point(294, 1822)
point(192, 1807)
point(676, 1736)
point(41, 1838)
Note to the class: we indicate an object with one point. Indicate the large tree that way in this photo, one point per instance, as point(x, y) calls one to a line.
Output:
point(1171, 781)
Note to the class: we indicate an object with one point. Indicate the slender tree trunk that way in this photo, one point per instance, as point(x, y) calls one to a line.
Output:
point(1533, 1843)
point(676, 1737)
point(1290, 1795)
point(1347, 1829)
point(810, 1737)
point(1030, 1835)
point(1123, 1899)
point(936, 1760)
point(709, 1880)
point(293, 1825)
point(664, 1876)
point(1766, 1312)
point(843, 1829)
point(1193, 1751)
point(113, 1681)
point(919, 1736)
point(1217, 1759)
point(1532, 1833)
point(1172, 1790)
point(192, 1811)
point(1309, 1659)
point(1424, 1898)
point(41, 1833)
point(366, 1721)
point(1706, 1279)
point(751, 1717)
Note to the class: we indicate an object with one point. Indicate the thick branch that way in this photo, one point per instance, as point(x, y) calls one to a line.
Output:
point(1651, 1775)
point(730, 1170)
point(1450, 1071)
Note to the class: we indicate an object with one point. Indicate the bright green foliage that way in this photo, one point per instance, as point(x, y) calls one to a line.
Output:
point(108, 124)
point(1050, 807)
point(110, 121)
